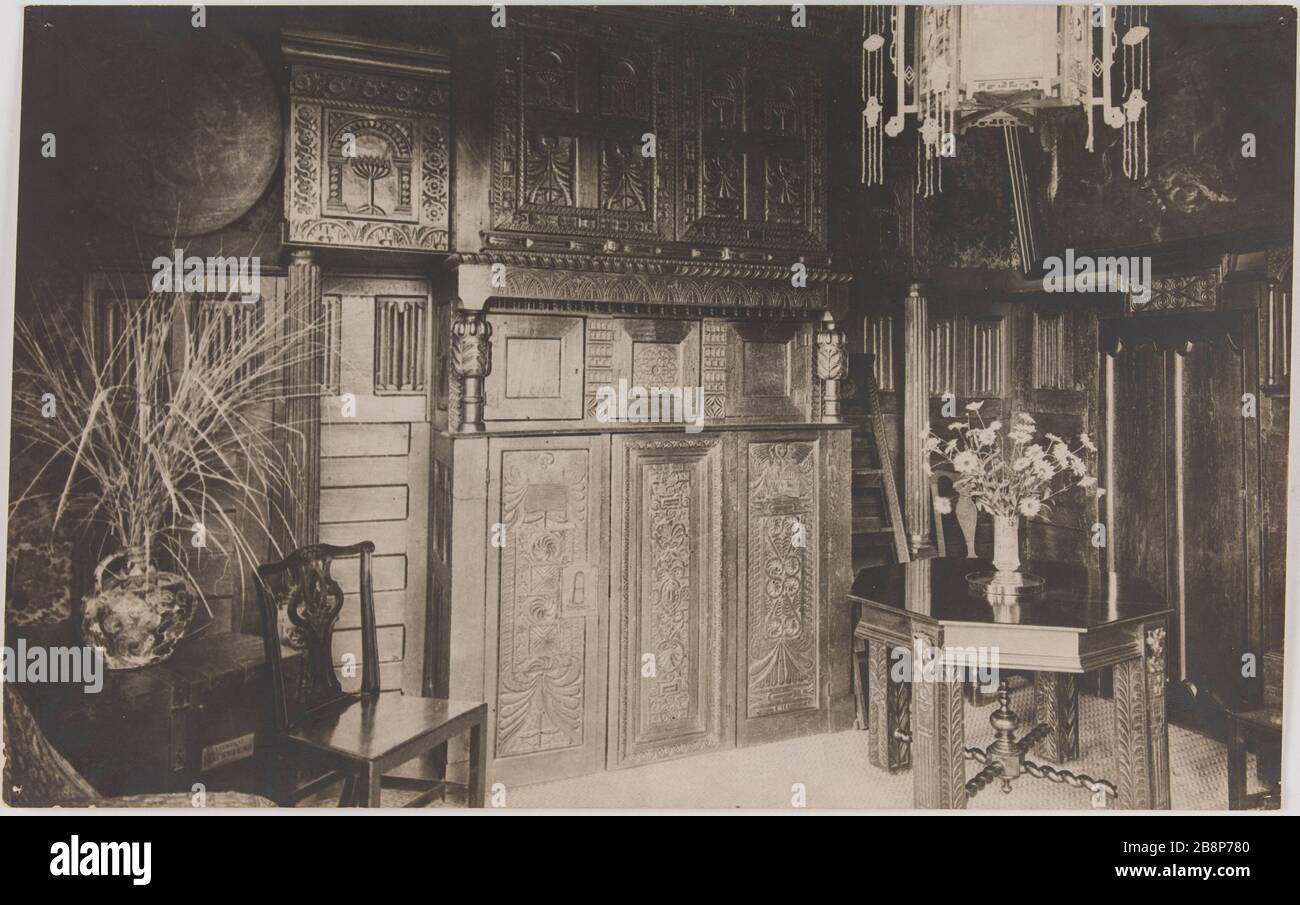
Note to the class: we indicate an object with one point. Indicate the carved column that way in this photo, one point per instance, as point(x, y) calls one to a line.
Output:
point(916, 415)
point(299, 411)
point(832, 367)
point(471, 363)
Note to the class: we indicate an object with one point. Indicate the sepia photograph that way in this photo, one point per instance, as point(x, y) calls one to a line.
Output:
point(542, 408)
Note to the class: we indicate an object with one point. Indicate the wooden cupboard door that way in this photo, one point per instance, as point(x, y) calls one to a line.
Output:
point(374, 462)
point(780, 614)
point(547, 593)
point(670, 613)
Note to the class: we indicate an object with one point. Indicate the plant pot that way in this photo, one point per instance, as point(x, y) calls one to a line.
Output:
point(139, 618)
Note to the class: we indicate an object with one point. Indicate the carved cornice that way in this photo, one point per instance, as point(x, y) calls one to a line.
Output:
point(733, 270)
point(664, 294)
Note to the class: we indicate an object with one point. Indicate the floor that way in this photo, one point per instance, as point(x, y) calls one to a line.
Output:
point(833, 772)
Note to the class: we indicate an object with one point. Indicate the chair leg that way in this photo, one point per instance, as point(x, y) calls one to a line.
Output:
point(475, 792)
point(348, 797)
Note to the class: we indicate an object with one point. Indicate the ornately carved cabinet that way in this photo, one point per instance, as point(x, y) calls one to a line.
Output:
point(596, 211)
point(623, 593)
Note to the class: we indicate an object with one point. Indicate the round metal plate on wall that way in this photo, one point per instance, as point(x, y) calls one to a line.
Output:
point(182, 129)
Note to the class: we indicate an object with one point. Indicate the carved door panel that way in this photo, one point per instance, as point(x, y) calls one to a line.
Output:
point(672, 587)
point(537, 371)
point(547, 592)
point(781, 632)
point(758, 371)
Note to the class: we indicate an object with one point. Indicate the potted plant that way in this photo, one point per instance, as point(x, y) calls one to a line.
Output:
point(162, 436)
point(1010, 476)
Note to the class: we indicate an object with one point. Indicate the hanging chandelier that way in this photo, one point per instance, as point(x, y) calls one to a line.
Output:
point(999, 66)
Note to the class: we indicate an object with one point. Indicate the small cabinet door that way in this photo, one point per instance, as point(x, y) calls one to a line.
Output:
point(669, 682)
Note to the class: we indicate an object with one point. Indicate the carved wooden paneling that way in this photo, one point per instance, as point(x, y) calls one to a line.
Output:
point(943, 356)
point(667, 670)
point(753, 127)
point(537, 364)
point(768, 370)
point(367, 162)
point(575, 97)
point(780, 664)
point(878, 341)
point(400, 344)
point(547, 596)
point(1051, 356)
point(1180, 292)
point(229, 324)
point(332, 335)
point(987, 360)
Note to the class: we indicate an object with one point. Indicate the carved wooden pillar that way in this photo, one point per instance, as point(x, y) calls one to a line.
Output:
point(299, 411)
point(832, 367)
point(471, 363)
point(938, 746)
point(1056, 705)
point(916, 415)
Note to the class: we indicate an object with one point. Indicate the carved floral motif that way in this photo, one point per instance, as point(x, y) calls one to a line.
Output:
point(542, 655)
point(782, 660)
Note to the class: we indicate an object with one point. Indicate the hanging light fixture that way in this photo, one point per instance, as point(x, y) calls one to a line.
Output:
point(984, 66)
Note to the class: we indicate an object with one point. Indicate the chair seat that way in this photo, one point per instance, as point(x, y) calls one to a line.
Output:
point(371, 728)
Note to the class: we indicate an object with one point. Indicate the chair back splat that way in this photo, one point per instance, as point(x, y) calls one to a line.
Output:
point(301, 602)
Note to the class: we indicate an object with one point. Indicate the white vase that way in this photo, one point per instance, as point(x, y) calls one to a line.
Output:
point(1006, 543)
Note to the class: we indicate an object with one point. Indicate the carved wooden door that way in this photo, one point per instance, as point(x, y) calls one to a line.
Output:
point(672, 577)
point(375, 459)
point(547, 593)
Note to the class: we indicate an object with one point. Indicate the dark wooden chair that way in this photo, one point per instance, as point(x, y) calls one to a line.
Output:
point(357, 736)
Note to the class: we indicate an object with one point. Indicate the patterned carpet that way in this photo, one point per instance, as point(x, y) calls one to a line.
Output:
point(835, 773)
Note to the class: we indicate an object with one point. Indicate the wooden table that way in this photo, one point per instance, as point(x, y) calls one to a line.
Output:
point(1084, 620)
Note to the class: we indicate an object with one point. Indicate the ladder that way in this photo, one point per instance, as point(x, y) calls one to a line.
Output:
point(877, 516)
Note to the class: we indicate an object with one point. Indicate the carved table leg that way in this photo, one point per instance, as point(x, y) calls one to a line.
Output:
point(887, 710)
point(1056, 705)
point(1141, 730)
point(938, 739)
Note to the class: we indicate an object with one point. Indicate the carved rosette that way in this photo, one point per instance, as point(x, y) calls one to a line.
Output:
point(832, 366)
point(471, 362)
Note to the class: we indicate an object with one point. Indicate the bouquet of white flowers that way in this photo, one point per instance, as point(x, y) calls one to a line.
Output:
point(1011, 476)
